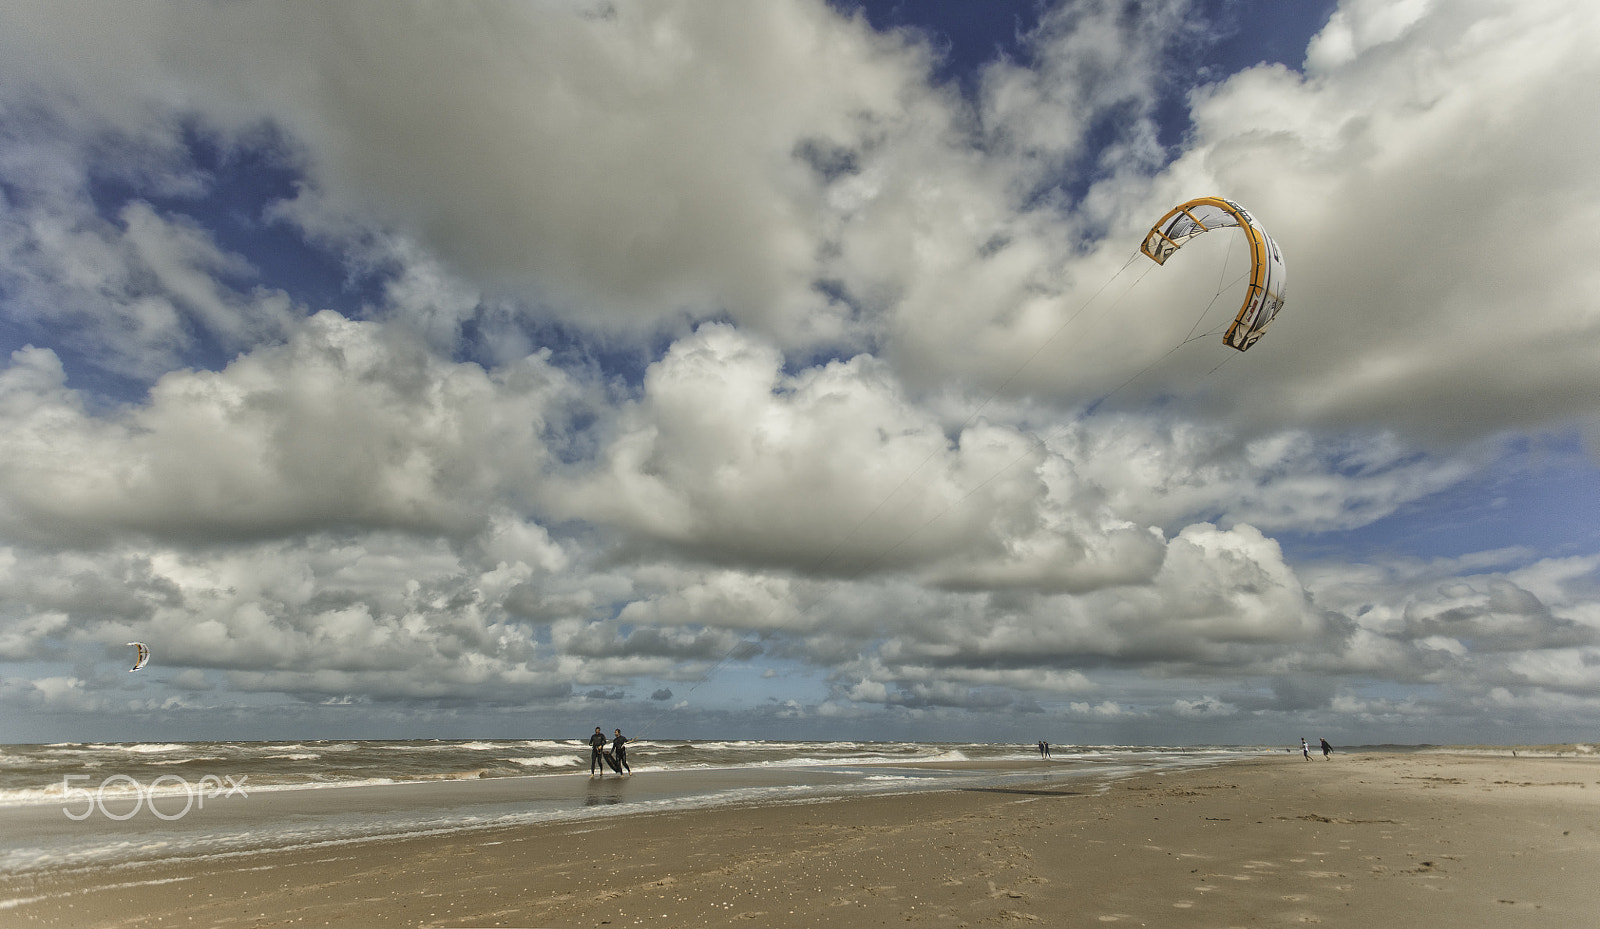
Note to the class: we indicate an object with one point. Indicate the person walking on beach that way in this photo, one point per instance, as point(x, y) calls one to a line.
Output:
point(597, 747)
point(1326, 748)
point(619, 752)
point(1304, 748)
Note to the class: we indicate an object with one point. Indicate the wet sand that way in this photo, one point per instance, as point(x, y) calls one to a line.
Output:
point(1442, 840)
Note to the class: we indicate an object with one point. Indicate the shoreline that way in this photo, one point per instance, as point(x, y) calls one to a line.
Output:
point(88, 829)
point(1429, 839)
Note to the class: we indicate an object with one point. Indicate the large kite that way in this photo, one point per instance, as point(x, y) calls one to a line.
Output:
point(141, 655)
point(1265, 295)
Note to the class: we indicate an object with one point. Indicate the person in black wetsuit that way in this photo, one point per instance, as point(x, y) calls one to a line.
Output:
point(597, 747)
point(1326, 748)
point(619, 752)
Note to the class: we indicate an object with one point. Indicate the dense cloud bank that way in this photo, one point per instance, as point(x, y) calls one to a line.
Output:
point(720, 366)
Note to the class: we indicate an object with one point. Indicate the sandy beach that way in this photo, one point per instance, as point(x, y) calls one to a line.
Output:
point(1458, 840)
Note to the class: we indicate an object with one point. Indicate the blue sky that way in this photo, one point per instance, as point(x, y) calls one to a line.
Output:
point(789, 370)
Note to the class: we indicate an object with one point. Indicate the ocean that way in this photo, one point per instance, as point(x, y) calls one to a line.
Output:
point(77, 805)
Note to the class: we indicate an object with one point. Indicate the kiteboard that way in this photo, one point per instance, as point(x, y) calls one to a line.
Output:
point(612, 761)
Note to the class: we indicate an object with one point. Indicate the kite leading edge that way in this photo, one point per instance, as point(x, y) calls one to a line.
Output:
point(1268, 277)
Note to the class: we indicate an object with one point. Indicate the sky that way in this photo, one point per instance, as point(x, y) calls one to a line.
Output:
point(790, 370)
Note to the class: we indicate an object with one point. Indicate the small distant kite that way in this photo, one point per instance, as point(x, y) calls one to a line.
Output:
point(1268, 276)
point(141, 656)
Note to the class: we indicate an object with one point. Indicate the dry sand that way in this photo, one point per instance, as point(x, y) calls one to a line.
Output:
point(1375, 840)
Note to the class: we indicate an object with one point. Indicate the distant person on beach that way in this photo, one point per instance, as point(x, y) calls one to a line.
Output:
point(1326, 748)
point(1304, 748)
point(597, 747)
point(619, 752)
point(1041, 748)
point(1047, 749)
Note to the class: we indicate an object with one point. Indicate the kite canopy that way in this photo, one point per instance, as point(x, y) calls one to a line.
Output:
point(141, 656)
point(1268, 277)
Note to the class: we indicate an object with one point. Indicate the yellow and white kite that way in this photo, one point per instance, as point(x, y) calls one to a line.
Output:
point(1268, 278)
